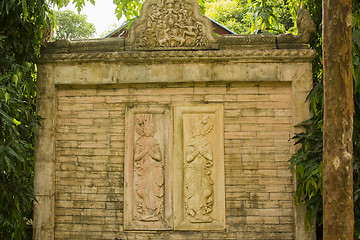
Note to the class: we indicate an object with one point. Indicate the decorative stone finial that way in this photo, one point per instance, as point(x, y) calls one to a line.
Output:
point(171, 24)
point(306, 28)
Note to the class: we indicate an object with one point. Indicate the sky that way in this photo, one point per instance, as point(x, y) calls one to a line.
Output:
point(102, 15)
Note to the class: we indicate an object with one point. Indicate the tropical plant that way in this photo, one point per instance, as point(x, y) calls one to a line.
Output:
point(22, 25)
point(128, 8)
point(69, 25)
point(79, 4)
point(308, 159)
point(20, 36)
point(251, 16)
point(131, 8)
point(263, 17)
point(270, 16)
point(230, 13)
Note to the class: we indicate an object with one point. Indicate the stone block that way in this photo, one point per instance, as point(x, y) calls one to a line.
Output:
point(44, 218)
point(99, 73)
point(290, 71)
point(230, 72)
point(45, 86)
point(262, 72)
point(46, 111)
point(44, 178)
point(44, 145)
point(300, 107)
point(196, 72)
point(86, 73)
point(164, 73)
point(132, 73)
point(300, 74)
point(69, 74)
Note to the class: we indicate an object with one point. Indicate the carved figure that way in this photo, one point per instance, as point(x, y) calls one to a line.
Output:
point(306, 28)
point(198, 185)
point(148, 162)
point(171, 23)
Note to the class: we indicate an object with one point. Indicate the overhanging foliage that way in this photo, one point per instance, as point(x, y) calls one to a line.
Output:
point(20, 34)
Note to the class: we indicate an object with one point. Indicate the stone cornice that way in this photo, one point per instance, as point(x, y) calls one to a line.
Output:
point(244, 55)
point(261, 41)
point(81, 46)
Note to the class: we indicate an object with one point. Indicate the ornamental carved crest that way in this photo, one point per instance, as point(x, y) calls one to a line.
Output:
point(171, 24)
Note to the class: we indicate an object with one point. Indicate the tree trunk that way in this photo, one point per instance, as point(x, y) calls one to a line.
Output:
point(338, 120)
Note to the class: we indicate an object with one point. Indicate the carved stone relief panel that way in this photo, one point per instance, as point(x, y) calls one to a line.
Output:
point(199, 196)
point(147, 168)
point(165, 24)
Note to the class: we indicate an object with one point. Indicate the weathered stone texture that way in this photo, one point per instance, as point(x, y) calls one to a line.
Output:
point(97, 152)
point(90, 145)
point(199, 199)
point(148, 167)
point(171, 133)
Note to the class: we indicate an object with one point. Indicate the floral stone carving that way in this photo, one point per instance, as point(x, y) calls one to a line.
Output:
point(147, 168)
point(171, 24)
point(199, 199)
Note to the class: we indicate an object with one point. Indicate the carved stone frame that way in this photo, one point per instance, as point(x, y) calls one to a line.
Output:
point(181, 221)
point(164, 129)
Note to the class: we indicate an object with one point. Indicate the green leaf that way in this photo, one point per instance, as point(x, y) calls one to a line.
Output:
point(25, 9)
point(8, 163)
point(15, 79)
point(7, 96)
point(5, 76)
point(6, 116)
point(300, 170)
point(13, 153)
point(16, 122)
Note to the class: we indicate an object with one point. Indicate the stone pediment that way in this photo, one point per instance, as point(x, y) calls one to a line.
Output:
point(171, 24)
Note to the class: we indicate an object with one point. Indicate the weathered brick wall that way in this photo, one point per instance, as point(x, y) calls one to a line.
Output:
point(89, 158)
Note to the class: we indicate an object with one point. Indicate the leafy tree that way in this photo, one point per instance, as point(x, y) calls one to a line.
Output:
point(21, 24)
point(128, 8)
point(79, 4)
point(230, 13)
point(69, 25)
point(263, 15)
point(131, 8)
point(251, 16)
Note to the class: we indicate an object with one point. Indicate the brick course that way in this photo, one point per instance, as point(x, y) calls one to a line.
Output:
point(90, 135)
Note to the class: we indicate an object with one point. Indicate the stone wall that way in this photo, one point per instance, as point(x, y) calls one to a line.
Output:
point(90, 136)
point(172, 133)
point(79, 171)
